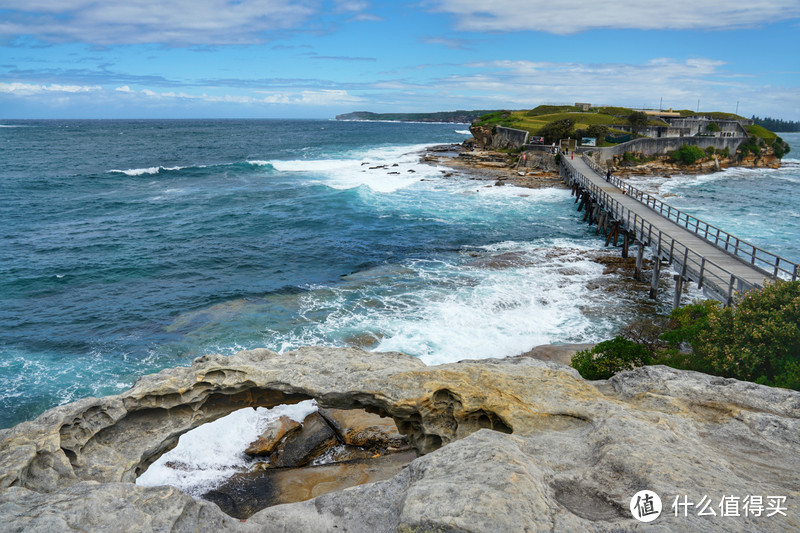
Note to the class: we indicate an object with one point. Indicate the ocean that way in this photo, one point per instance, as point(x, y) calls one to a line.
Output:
point(131, 246)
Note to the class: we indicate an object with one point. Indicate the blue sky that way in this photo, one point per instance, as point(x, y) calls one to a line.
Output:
point(315, 59)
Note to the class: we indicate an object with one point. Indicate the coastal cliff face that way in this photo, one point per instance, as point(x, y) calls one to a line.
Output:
point(664, 166)
point(516, 444)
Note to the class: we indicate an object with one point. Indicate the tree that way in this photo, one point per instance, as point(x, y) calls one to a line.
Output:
point(713, 127)
point(598, 131)
point(557, 130)
point(638, 120)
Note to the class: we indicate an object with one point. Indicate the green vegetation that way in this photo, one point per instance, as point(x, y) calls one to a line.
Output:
point(559, 129)
point(638, 120)
point(760, 138)
point(776, 124)
point(610, 357)
point(616, 111)
point(498, 118)
point(761, 132)
point(551, 109)
point(687, 155)
point(599, 123)
point(715, 115)
point(755, 339)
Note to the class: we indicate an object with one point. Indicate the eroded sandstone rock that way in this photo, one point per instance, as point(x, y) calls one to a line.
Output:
point(511, 445)
point(276, 431)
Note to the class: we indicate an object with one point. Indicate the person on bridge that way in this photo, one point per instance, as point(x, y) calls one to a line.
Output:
point(608, 175)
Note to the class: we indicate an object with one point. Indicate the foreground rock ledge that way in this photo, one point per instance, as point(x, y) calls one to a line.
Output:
point(511, 445)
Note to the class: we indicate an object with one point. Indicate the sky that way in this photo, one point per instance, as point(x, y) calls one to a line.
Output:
point(316, 59)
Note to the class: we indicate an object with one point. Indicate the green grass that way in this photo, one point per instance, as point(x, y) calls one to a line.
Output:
point(551, 109)
point(760, 131)
point(610, 110)
point(719, 115)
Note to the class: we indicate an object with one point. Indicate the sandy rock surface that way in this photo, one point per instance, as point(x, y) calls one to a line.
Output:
point(517, 444)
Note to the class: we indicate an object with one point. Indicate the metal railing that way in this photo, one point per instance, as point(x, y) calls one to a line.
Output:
point(771, 264)
point(710, 276)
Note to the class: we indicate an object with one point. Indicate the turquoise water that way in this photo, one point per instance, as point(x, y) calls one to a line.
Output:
point(131, 246)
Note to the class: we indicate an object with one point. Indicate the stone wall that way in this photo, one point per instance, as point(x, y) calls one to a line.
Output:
point(509, 137)
point(663, 146)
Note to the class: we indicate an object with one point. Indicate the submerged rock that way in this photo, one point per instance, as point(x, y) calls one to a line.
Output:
point(515, 444)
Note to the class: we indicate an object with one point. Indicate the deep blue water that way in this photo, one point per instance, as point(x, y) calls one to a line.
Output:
point(131, 246)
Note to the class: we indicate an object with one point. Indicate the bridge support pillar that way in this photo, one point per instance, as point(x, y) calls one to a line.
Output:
point(639, 260)
point(676, 299)
point(654, 279)
point(626, 240)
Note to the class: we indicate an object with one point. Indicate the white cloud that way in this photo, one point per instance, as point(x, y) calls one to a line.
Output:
point(323, 97)
point(32, 89)
point(572, 16)
point(182, 22)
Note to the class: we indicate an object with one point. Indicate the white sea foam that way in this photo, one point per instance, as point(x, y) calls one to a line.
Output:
point(144, 171)
point(497, 301)
point(463, 132)
point(211, 453)
point(383, 170)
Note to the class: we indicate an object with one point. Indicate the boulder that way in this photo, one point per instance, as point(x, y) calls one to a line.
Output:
point(276, 431)
point(299, 448)
point(515, 444)
point(357, 427)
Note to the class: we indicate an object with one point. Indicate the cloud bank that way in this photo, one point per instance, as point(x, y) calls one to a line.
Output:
point(174, 22)
point(573, 16)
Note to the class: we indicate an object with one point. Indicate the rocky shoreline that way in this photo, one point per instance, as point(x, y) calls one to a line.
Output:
point(497, 167)
point(517, 444)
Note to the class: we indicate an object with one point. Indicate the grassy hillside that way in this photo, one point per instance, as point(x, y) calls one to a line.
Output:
point(536, 120)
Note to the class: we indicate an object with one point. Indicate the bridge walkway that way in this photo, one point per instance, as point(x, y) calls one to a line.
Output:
point(719, 272)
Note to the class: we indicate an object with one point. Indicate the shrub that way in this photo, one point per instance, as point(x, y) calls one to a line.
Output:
point(710, 151)
point(713, 127)
point(638, 120)
point(557, 130)
point(610, 357)
point(687, 155)
point(758, 339)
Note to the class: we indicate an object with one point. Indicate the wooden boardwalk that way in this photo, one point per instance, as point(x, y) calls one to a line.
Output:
point(721, 264)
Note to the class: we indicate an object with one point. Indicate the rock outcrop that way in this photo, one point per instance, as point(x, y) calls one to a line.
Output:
point(511, 445)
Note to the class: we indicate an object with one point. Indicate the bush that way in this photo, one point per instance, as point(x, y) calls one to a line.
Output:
point(713, 127)
point(638, 120)
point(758, 339)
point(710, 151)
point(610, 357)
point(557, 130)
point(687, 155)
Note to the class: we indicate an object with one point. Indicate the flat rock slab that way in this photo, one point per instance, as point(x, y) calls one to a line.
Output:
point(245, 494)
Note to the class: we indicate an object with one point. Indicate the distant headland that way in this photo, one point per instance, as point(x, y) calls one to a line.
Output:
point(460, 116)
